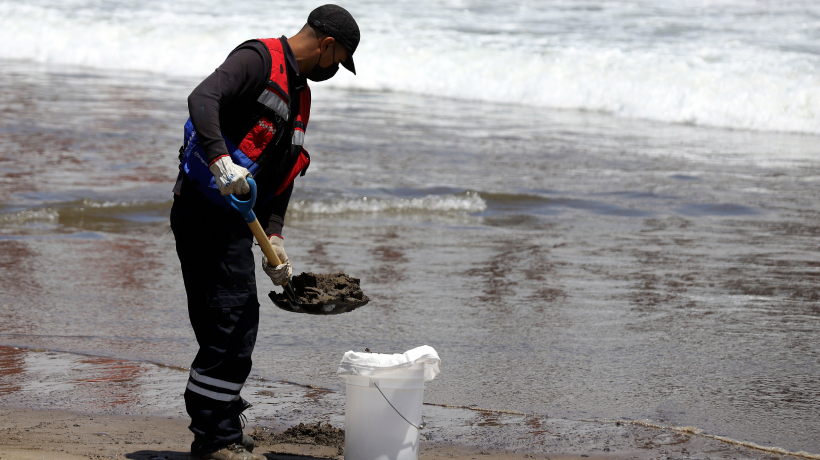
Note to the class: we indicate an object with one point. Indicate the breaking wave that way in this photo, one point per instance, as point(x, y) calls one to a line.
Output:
point(81, 213)
point(467, 203)
point(659, 60)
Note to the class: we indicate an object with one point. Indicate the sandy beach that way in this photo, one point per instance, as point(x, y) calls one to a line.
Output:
point(75, 406)
point(64, 435)
point(61, 435)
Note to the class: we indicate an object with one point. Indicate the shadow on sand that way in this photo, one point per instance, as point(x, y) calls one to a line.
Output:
point(175, 455)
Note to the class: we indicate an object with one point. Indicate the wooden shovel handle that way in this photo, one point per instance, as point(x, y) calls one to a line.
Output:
point(264, 243)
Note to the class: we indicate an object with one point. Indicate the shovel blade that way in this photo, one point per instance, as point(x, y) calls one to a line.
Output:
point(282, 301)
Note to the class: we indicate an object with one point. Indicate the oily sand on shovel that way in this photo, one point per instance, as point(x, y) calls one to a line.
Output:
point(323, 294)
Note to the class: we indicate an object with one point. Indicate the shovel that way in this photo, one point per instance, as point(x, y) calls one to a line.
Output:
point(246, 209)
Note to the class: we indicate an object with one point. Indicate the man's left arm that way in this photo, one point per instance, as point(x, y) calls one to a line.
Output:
point(273, 209)
point(272, 217)
point(272, 213)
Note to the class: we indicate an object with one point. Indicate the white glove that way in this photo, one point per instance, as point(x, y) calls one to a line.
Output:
point(279, 274)
point(230, 177)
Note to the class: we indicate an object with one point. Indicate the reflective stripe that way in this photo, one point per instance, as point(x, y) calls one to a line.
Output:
point(298, 137)
point(215, 382)
point(211, 394)
point(272, 101)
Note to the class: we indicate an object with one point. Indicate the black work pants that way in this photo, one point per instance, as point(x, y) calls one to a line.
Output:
point(214, 249)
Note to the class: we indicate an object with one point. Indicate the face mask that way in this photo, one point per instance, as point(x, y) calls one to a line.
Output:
point(319, 73)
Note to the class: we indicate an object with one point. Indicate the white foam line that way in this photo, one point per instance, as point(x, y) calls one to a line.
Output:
point(51, 214)
point(431, 203)
point(695, 431)
point(47, 214)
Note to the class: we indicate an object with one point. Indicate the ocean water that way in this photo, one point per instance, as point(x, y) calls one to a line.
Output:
point(592, 210)
point(729, 63)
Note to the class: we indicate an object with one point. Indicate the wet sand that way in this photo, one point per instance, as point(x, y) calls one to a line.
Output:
point(37, 434)
point(59, 434)
point(73, 406)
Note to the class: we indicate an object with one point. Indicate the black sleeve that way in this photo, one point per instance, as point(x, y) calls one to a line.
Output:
point(271, 213)
point(242, 74)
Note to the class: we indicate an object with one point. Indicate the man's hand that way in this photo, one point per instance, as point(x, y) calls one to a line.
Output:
point(230, 177)
point(279, 274)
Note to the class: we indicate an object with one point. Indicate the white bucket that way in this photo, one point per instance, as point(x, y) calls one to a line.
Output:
point(375, 430)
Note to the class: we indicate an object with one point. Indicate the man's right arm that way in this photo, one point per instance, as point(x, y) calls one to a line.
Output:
point(242, 75)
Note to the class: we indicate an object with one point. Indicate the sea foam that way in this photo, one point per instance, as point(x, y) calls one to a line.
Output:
point(726, 63)
point(467, 203)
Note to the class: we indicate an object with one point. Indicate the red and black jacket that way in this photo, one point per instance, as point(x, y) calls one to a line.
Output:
point(255, 108)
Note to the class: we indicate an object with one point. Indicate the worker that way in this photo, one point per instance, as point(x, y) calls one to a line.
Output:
point(247, 119)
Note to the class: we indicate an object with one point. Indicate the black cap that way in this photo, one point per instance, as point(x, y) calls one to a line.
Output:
point(336, 22)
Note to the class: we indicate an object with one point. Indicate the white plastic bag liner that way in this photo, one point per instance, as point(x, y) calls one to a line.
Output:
point(384, 395)
point(374, 364)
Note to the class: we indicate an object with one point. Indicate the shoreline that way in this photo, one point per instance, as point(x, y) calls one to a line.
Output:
point(60, 434)
point(81, 406)
point(68, 435)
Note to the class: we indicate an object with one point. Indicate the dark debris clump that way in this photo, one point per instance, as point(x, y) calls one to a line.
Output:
point(323, 294)
point(318, 434)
